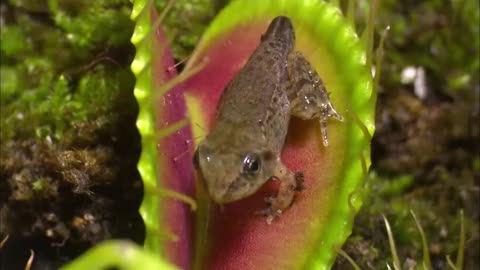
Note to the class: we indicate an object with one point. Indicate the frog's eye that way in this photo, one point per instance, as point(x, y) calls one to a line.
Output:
point(251, 164)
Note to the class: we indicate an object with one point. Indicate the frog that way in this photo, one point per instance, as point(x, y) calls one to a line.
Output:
point(243, 149)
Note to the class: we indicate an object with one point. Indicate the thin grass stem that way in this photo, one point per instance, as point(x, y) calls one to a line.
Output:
point(426, 255)
point(393, 248)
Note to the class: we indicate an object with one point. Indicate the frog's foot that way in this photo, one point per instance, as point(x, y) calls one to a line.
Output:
point(289, 185)
point(268, 200)
point(307, 94)
point(327, 112)
point(270, 214)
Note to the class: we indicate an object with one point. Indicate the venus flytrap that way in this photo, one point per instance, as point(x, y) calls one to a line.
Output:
point(120, 253)
point(322, 216)
point(326, 16)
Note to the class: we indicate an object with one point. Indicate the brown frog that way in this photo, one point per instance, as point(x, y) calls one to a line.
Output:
point(242, 150)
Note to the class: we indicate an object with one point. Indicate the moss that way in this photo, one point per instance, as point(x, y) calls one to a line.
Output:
point(105, 23)
point(68, 140)
point(31, 5)
point(437, 212)
point(425, 147)
point(428, 34)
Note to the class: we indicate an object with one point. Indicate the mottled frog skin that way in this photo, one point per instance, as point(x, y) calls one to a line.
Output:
point(242, 150)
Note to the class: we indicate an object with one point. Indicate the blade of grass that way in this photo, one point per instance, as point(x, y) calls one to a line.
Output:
point(349, 259)
point(461, 245)
point(393, 248)
point(426, 255)
point(4, 240)
point(367, 35)
point(450, 263)
point(30, 260)
point(378, 65)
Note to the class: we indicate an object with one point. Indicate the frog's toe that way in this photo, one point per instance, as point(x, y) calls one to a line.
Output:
point(269, 213)
point(269, 200)
point(332, 113)
point(336, 115)
point(270, 219)
point(323, 128)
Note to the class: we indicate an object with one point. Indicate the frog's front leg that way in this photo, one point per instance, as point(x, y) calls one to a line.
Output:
point(307, 95)
point(290, 183)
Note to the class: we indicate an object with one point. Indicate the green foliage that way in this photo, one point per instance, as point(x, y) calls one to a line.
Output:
point(31, 5)
point(13, 41)
point(186, 22)
point(442, 37)
point(56, 107)
point(50, 83)
point(440, 226)
point(426, 262)
point(96, 22)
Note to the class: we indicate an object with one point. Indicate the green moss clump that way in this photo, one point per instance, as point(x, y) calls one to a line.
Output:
point(90, 24)
point(443, 38)
point(69, 145)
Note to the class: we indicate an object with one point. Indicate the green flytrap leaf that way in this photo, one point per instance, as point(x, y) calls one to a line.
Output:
point(119, 253)
point(175, 112)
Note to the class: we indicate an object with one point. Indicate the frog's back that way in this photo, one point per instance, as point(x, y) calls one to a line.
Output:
point(254, 97)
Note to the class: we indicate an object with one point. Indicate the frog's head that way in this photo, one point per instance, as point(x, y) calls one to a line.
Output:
point(231, 175)
point(280, 29)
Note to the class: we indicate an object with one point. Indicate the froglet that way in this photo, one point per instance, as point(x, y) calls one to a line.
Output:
point(242, 150)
